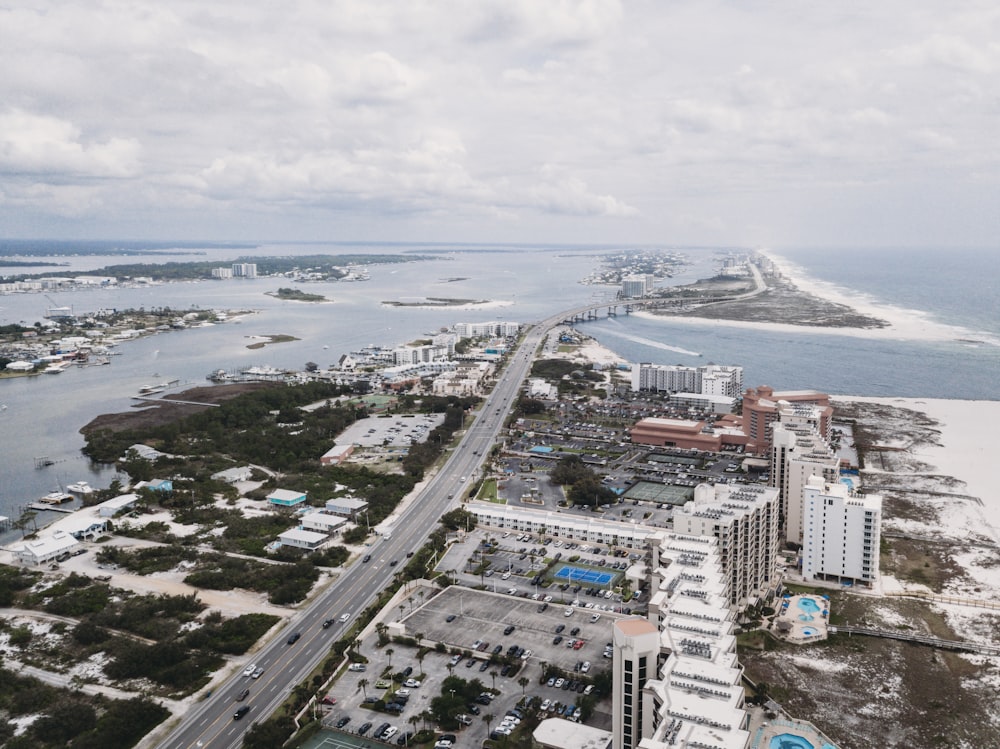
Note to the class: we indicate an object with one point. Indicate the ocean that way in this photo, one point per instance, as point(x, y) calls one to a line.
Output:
point(41, 416)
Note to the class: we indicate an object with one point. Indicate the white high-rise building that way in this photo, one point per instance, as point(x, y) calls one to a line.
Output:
point(797, 454)
point(636, 657)
point(841, 533)
point(245, 270)
point(744, 518)
point(710, 379)
point(635, 286)
point(497, 328)
point(222, 272)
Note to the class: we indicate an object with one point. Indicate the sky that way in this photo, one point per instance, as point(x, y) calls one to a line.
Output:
point(669, 122)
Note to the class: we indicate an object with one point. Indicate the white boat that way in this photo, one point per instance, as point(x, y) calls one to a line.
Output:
point(56, 498)
point(80, 487)
point(57, 367)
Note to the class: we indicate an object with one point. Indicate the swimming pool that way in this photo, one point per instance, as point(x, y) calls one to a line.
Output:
point(808, 632)
point(808, 605)
point(790, 741)
point(568, 572)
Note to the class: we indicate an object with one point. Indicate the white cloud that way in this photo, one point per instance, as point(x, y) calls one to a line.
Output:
point(683, 121)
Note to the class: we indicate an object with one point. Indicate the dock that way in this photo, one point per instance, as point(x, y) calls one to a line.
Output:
point(52, 508)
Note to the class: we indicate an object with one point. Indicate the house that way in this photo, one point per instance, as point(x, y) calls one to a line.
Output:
point(322, 522)
point(234, 475)
point(157, 485)
point(336, 455)
point(111, 507)
point(286, 498)
point(301, 539)
point(346, 507)
point(46, 549)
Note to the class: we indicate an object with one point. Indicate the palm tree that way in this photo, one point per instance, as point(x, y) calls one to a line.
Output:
point(388, 654)
point(420, 657)
point(413, 719)
point(523, 682)
point(362, 683)
point(356, 646)
point(494, 674)
point(487, 719)
point(402, 608)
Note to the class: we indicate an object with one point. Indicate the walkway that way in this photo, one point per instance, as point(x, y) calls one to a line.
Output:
point(934, 642)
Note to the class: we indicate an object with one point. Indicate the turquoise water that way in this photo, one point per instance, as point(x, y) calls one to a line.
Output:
point(809, 606)
point(578, 574)
point(790, 741)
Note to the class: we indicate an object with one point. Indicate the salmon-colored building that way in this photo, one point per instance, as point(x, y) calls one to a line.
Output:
point(760, 410)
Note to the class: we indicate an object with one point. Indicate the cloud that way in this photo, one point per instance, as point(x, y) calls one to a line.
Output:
point(45, 145)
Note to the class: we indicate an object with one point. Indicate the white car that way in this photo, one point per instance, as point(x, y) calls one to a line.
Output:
point(389, 733)
point(525, 655)
point(559, 682)
point(412, 683)
point(569, 611)
point(248, 671)
point(594, 617)
point(545, 705)
point(547, 599)
point(589, 689)
point(585, 667)
point(344, 618)
point(356, 667)
point(505, 575)
point(404, 692)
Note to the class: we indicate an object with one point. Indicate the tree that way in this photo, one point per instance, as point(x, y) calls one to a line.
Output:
point(388, 654)
point(494, 675)
point(523, 682)
point(362, 683)
point(488, 719)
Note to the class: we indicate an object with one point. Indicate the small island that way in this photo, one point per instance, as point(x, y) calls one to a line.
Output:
point(296, 295)
point(266, 340)
point(433, 301)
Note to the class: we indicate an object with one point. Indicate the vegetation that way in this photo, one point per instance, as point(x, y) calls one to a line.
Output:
point(297, 295)
point(585, 488)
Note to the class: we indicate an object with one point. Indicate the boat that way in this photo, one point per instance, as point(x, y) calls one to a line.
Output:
point(80, 487)
point(56, 498)
point(57, 367)
point(152, 389)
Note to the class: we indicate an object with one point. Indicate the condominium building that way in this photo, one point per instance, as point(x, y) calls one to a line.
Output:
point(745, 520)
point(797, 454)
point(634, 286)
point(497, 328)
point(695, 697)
point(245, 270)
point(842, 533)
point(222, 272)
point(760, 411)
point(636, 654)
point(710, 379)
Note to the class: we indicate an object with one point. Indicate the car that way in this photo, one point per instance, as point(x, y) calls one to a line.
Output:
point(585, 667)
point(525, 655)
point(545, 705)
point(389, 732)
point(377, 733)
point(412, 683)
point(594, 617)
point(561, 628)
point(368, 558)
point(575, 631)
point(343, 721)
point(559, 683)
point(483, 646)
point(474, 709)
point(394, 562)
point(356, 667)
point(569, 611)
point(363, 728)
point(465, 720)
point(257, 672)
point(485, 665)
point(578, 644)
point(508, 629)
point(369, 700)
point(327, 623)
point(243, 695)
point(476, 644)
point(505, 671)
point(402, 692)
point(293, 638)
point(589, 689)
point(557, 639)
point(581, 687)
point(248, 671)
point(512, 591)
point(567, 685)
point(328, 700)
point(570, 643)
point(404, 739)
point(470, 663)
point(407, 671)
point(240, 712)
point(344, 618)
point(505, 575)
point(381, 684)
point(450, 618)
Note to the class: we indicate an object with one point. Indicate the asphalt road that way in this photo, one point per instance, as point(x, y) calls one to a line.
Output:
point(211, 723)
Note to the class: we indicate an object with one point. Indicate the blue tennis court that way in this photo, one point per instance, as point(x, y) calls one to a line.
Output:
point(581, 575)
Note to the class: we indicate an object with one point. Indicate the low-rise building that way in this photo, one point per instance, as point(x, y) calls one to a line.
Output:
point(45, 548)
point(286, 498)
point(234, 475)
point(322, 522)
point(302, 539)
point(346, 507)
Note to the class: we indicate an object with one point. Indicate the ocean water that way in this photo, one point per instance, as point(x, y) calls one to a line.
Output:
point(43, 414)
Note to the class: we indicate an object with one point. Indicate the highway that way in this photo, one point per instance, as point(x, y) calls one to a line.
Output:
point(211, 723)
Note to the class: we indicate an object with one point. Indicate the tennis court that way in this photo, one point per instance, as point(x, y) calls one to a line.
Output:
point(577, 574)
point(650, 491)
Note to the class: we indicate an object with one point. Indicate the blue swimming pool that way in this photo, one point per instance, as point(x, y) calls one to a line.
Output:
point(790, 741)
point(580, 575)
point(809, 606)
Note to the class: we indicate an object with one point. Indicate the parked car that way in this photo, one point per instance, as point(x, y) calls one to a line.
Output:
point(356, 667)
point(343, 721)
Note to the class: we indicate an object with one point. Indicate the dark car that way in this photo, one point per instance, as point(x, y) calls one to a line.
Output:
point(394, 707)
point(557, 639)
point(474, 709)
point(363, 728)
point(327, 624)
point(484, 666)
point(506, 669)
point(294, 638)
point(343, 721)
point(404, 739)
point(560, 628)
point(470, 663)
point(497, 650)
point(407, 671)
point(368, 558)
point(243, 695)
point(409, 554)
point(508, 629)
point(394, 562)
point(380, 730)
point(450, 618)
point(240, 712)
point(575, 631)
